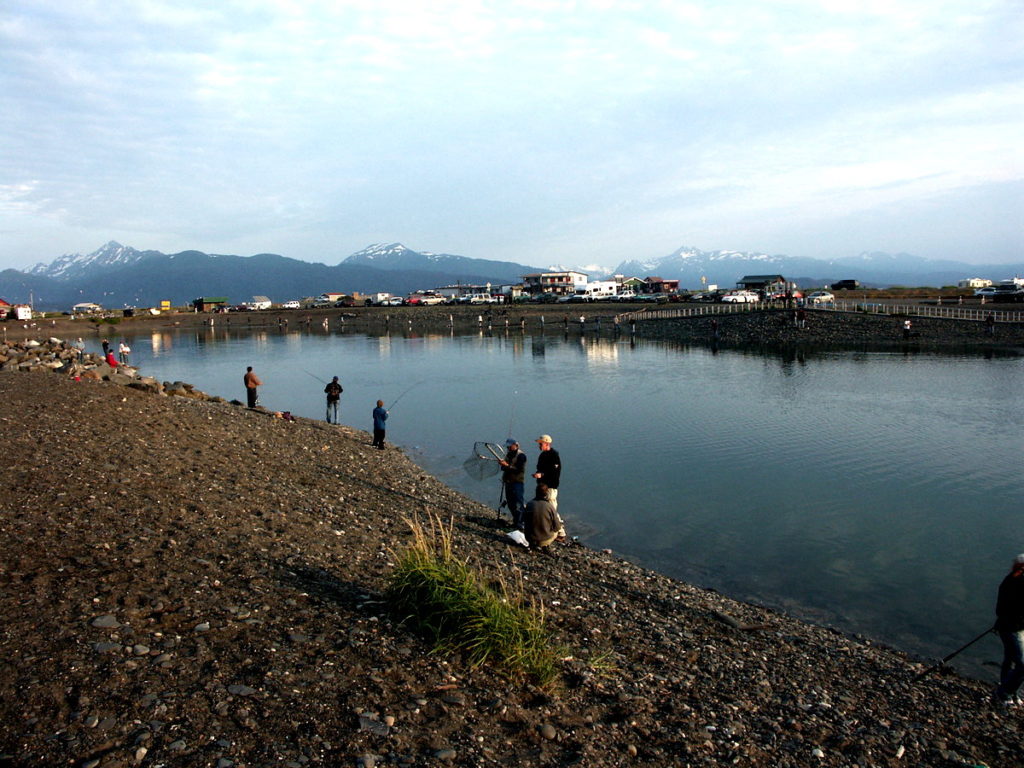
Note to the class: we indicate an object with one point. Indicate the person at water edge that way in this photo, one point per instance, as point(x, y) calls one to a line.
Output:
point(333, 391)
point(541, 521)
point(106, 347)
point(513, 476)
point(990, 323)
point(252, 381)
point(549, 468)
point(380, 417)
point(110, 359)
point(1010, 626)
point(123, 351)
point(80, 348)
point(906, 329)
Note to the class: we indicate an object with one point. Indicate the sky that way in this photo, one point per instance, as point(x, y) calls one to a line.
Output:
point(542, 132)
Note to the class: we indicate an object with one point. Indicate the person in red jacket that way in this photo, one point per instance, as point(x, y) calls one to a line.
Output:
point(1010, 626)
point(111, 361)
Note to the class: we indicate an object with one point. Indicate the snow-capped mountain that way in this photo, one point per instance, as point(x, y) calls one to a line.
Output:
point(395, 256)
point(71, 265)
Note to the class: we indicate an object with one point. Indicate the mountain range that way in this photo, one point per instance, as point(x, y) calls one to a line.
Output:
point(115, 275)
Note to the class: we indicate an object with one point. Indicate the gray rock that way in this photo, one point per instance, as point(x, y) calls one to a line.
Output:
point(241, 690)
point(105, 622)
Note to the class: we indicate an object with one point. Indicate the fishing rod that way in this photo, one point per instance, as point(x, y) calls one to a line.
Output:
point(406, 392)
point(942, 663)
point(313, 375)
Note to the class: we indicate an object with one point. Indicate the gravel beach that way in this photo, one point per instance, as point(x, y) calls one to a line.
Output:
point(186, 582)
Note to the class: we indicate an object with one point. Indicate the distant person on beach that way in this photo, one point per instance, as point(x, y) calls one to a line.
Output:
point(906, 329)
point(380, 417)
point(549, 474)
point(80, 348)
point(990, 323)
point(123, 351)
point(252, 382)
point(801, 318)
point(541, 521)
point(513, 477)
point(333, 391)
point(110, 359)
point(106, 347)
point(1010, 626)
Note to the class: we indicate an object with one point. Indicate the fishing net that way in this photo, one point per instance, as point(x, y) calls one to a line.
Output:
point(484, 463)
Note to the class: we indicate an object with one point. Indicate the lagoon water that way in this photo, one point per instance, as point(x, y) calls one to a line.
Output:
point(880, 493)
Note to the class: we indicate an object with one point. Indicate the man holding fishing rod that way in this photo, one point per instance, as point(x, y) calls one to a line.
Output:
point(333, 391)
point(1010, 626)
point(513, 478)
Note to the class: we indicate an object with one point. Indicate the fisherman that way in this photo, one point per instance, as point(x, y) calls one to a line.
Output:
point(542, 522)
point(1010, 626)
point(380, 416)
point(252, 381)
point(549, 468)
point(333, 391)
point(513, 477)
point(906, 328)
point(123, 351)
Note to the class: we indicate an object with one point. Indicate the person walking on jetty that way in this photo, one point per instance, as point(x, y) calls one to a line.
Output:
point(252, 382)
point(1010, 626)
point(513, 477)
point(333, 391)
point(123, 351)
point(380, 417)
point(543, 525)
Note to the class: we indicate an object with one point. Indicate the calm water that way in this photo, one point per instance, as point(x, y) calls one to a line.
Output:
point(880, 493)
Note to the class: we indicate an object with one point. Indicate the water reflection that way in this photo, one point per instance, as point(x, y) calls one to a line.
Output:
point(877, 491)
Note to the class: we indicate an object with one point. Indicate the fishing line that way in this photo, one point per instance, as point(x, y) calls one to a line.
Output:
point(407, 391)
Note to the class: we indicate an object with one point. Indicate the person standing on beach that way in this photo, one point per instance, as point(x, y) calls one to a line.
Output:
point(513, 477)
point(549, 468)
point(80, 348)
point(333, 390)
point(252, 381)
point(106, 347)
point(906, 329)
point(123, 351)
point(380, 417)
point(1010, 626)
point(990, 323)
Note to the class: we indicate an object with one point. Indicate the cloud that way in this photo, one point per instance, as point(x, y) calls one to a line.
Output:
point(530, 130)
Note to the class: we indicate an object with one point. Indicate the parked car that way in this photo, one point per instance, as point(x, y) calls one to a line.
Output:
point(393, 301)
point(345, 301)
point(820, 297)
point(574, 298)
point(291, 305)
point(544, 298)
point(988, 291)
point(845, 285)
point(651, 298)
point(741, 297)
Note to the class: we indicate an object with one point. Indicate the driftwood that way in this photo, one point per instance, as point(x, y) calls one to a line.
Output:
point(736, 624)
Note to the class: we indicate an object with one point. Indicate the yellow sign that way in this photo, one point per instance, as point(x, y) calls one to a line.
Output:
point(165, 305)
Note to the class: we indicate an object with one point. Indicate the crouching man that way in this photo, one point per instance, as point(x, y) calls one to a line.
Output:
point(542, 521)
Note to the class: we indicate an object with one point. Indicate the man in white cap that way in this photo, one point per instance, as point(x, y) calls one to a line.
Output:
point(513, 477)
point(1010, 626)
point(549, 468)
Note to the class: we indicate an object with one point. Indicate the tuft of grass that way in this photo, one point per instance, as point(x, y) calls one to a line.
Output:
point(443, 598)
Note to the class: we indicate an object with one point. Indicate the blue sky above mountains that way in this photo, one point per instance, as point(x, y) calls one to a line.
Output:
point(556, 132)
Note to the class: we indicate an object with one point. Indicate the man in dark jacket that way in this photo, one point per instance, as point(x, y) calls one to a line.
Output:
point(542, 522)
point(1010, 626)
point(513, 477)
point(333, 391)
point(549, 468)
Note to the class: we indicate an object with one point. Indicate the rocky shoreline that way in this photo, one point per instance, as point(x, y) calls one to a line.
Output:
point(187, 582)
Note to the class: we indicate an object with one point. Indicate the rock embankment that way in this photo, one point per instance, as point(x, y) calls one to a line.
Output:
point(185, 582)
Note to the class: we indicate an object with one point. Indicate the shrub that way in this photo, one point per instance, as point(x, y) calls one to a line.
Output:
point(441, 597)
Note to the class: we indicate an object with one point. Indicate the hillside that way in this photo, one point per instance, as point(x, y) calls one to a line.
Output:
point(190, 583)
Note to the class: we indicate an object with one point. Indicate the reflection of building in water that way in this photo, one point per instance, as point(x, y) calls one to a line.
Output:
point(161, 342)
point(601, 352)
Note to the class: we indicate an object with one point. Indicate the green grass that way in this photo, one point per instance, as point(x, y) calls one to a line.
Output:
point(444, 599)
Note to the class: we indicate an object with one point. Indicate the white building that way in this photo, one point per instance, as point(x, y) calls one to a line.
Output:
point(974, 282)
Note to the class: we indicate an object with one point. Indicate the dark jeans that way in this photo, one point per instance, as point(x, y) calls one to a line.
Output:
point(514, 499)
point(1012, 672)
point(252, 396)
point(378, 438)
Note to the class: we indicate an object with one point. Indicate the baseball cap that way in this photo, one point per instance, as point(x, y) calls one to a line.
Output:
point(510, 442)
point(544, 439)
